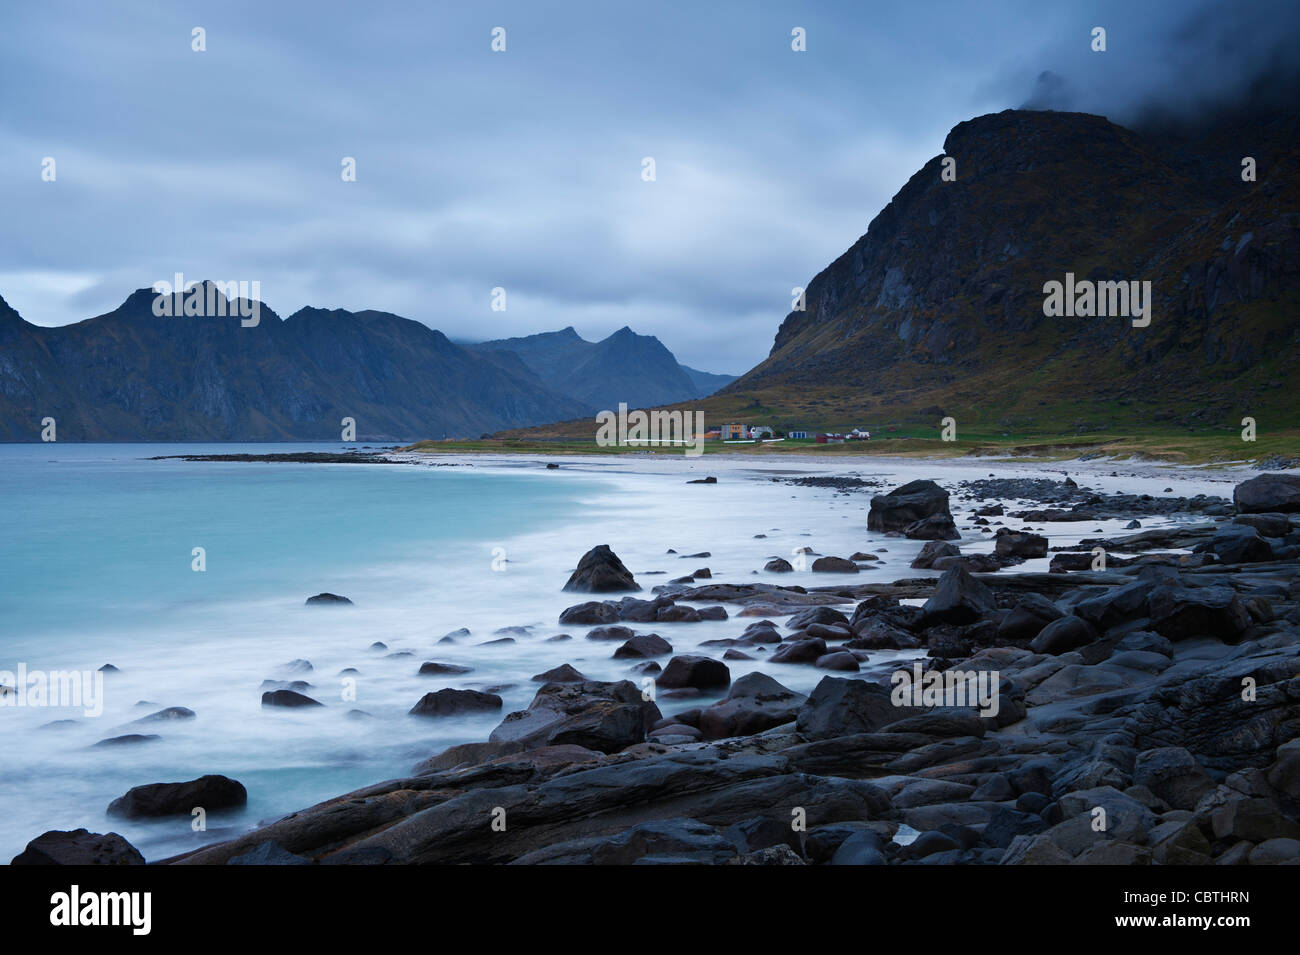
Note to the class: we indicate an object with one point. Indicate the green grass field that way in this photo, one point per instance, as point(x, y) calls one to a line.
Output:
point(1222, 448)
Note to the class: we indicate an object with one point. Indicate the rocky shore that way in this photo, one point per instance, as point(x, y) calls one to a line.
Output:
point(1138, 703)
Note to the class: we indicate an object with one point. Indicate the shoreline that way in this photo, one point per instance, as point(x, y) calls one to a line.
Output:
point(881, 784)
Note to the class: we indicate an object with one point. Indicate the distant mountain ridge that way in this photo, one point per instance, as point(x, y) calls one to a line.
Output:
point(129, 375)
point(625, 367)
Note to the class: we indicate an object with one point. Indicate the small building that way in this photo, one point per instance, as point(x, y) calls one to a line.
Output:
point(833, 438)
point(732, 432)
point(761, 429)
point(797, 435)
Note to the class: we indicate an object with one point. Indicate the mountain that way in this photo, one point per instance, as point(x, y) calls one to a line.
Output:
point(939, 308)
point(625, 367)
point(130, 375)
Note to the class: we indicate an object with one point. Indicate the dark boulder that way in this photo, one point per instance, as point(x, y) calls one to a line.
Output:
point(1240, 545)
point(914, 501)
point(449, 702)
point(778, 565)
point(932, 551)
point(958, 598)
point(440, 669)
point(834, 565)
point(593, 611)
point(211, 793)
point(564, 673)
point(755, 703)
point(936, 527)
point(78, 847)
point(697, 672)
point(840, 707)
point(809, 650)
point(1019, 544)
point(1181, 612)
point(288, 698)
point(327, 600)
point(1063, 635)
point(600, 572)
point(644, 646)
point(1268, 493)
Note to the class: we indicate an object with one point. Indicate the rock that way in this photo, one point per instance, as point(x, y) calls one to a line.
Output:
point(128, 739)
point(834, 565)
point(1268, 525)
point(1063, 635)
point(914, 501)
point(564, 673)
point(1182, 612)
point(932, 551)
point(643, 646)
point(1276, 852)
point(605, 717)
point(701, 673)
point(840, 660)
point(1284, 774)
point(288, 698)
point(328, 600)
point(439, 669)
point(1240, 545)
point(1255, 820)
point(755, 703)
point(268, 853)
point(778, 566)
point(672, 841)
point(1017, 544)
point(800, 651)
point(863, 847)
point(211, 793)
point(1028, 618)
point(78, 847)
point(958, 598)
point(840, 707)
point(450, 637)
point(704, 480)
point(600, 571)
point(449, 702)
point(1172, 774)
point(170, 714)
point(828, 616)
point(593, 611)
point(936, 527)
point(1268, 493)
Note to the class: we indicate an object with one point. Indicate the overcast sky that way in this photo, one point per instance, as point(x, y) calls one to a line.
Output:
point(523, 169)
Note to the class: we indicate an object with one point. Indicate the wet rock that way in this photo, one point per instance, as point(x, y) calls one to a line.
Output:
point(564, 673)
point(443, 669)
point(755, 703)
point(932, 551)
point(1181, 612)
point(1019, 544)
point(1268, 493)
point(839, 707)
point(326, 600)
point(268, 853)
point(800, 651)
point(912, 502)
point(936, 527)
point(288, 698)
point(450, 702)
point(697, 672)
point(78, 847)
point(958, 598)
point(1172, 774)
point(211, 793)
point(834, 565)
point(129, 739)
point(839, 660)
point(605, 717)
point(600, 571)
point(778, 565)
point(1063, 635)
point(643, 646)
point(593, 611)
